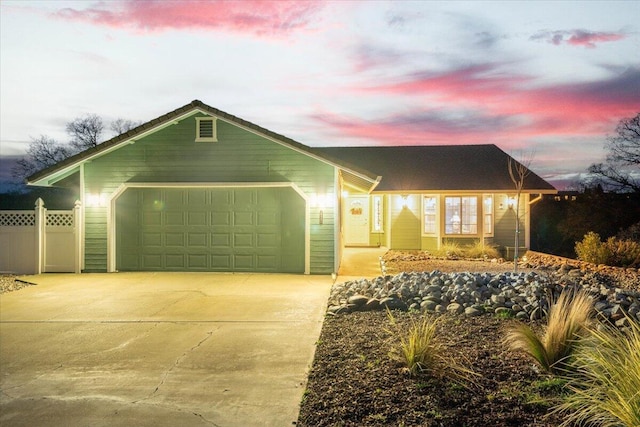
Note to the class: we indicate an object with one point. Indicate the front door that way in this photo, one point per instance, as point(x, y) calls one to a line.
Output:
point(356, 224)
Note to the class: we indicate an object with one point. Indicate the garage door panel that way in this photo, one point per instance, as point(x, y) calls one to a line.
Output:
point(243, 240)
point(152, 218)
point(152, 261)
point(243, 262)
point(198, 261)
point(220, 239)
point(220, 218)
point(243, 218)
point(244, 198)
point(267, 262)
point(267, 240)
point(197, 240)
point(173, 198)
point(174, 239)
point(221, 262)
point(152, 239)
point(175, 261)
point(174, 218)
point(196, 198)
point(151, 197)
point(270, 219)
point(197, 218)
point(210, 229)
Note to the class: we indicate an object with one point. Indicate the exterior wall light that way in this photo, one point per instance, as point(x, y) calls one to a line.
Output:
point(321, 201)
point(96, 200)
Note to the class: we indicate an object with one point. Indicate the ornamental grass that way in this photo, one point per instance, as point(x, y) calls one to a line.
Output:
point(567, 322)
point(605, 383)
point(418, 348)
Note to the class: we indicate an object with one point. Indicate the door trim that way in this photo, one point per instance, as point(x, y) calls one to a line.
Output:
point(113, 198)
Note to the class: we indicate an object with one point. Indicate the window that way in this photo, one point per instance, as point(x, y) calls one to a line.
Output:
point(461, 215)
point(487, 213)
point(206, 129)
point(430, 211)
point(377, 215)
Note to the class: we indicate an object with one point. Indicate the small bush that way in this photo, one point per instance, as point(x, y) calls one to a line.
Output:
point(630, 233)
point(606, 387)
point(592, 249)
point(566, 324)
point(623, 253)
point(481, 250)
point(450, 250)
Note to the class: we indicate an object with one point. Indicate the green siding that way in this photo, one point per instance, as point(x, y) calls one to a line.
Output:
point(505, 224)
point(405, 223)
point(429, 243)
point(170, 155)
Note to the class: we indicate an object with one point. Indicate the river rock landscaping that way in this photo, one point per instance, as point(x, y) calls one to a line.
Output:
point(354, 382)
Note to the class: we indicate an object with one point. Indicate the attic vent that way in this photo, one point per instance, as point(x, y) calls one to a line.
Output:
point(206, 129)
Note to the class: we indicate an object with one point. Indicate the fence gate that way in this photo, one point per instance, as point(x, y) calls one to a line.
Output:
point(40, 241)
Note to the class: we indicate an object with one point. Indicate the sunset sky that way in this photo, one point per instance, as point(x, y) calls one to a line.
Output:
point(544, 79)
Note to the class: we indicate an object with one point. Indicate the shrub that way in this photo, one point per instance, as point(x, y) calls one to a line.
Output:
point(630, 233)
point(481, 250)
point(592, 249)
point(624, 253)
point(566, 323)
point(450, 250)
point(606, 389)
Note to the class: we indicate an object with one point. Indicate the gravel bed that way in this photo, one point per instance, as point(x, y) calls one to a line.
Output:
point(10, 283)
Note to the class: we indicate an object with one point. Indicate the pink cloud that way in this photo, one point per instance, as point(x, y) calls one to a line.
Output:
point(249, 16)
point(480, 105)
point(578, 37)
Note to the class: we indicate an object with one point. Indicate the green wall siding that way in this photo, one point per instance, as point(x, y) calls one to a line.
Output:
point(505, 224)
point(405, 223)
point(171, 155)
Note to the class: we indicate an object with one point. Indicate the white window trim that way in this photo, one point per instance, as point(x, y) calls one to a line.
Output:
point(493, 215)
point(214, 137)
point(437, 219)
point(377, 214)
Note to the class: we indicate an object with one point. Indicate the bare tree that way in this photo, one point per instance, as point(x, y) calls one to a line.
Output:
point(42, 153)
point(621, 169)
point(518, 172)
point(120, 126)
point(85, 132)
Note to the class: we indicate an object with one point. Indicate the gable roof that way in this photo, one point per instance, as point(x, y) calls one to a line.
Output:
point(436, 168)
point(71, 164)
point(379, 169)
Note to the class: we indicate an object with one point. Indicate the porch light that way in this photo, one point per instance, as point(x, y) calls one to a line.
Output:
point(95, 200)
point(511, 202)
point(405, 202)
point(320, 201)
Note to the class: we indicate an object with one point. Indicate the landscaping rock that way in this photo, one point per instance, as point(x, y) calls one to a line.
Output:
point(522, 294)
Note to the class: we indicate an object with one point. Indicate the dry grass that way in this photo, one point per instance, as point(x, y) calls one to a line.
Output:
point(567, 322)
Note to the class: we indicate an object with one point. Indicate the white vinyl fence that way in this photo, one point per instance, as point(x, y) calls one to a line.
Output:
point(40, 241)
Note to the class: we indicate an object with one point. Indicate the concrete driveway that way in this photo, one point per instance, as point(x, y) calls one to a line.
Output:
point(158, 349)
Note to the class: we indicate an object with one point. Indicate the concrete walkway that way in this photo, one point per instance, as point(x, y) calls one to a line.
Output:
point(360, 263)
point(158, 349)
